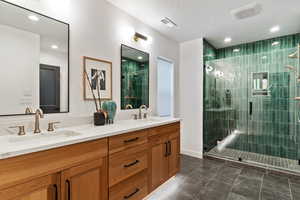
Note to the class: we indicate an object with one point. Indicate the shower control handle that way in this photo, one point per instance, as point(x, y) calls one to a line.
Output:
point(250, 108)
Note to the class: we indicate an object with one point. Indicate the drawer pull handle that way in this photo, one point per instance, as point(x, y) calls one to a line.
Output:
point(131, 164)
point(131, 140)
point(56, 192)
point(167, 149)
point(69, 189)
point(130, 195)
point(170, 148)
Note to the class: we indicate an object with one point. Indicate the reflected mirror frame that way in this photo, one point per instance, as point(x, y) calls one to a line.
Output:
point(68, 26)
point(123, 45)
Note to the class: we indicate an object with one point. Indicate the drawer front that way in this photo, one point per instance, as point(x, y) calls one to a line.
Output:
point(164, 129)
point(134, 188)
point(125, 141)
point(174, 135)
point(125, 164)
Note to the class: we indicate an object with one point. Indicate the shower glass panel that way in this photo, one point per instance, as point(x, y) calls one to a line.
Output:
point(251, 111)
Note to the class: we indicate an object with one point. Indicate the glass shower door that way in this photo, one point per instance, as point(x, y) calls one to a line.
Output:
point(226, 111)
point(272, 138)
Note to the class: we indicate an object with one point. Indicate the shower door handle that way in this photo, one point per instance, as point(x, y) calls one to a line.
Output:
point(250, 108)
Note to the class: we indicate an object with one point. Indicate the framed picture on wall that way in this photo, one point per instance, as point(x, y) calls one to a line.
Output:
point(104, 69)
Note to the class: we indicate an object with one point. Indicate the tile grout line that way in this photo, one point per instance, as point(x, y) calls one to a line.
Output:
point(234, 182)
point(261, 185)
point(292, 197)
point(211, 179)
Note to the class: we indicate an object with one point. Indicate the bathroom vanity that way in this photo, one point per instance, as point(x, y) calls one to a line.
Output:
point(126, 160)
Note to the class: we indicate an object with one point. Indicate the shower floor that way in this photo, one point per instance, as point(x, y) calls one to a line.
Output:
point(266, 161)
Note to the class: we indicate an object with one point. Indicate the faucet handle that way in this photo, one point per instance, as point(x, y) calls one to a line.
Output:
point(145, 115)
point(135, 116)
point(51, 126)
point(28, 111)
point(21, 129)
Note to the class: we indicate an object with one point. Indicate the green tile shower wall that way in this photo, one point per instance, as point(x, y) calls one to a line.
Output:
point(273, 129)
point(263, 46)
point(135, 88)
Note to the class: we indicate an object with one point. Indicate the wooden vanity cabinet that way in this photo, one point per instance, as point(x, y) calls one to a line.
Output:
point(74, 172)
point(126, 166)
point(164, 154)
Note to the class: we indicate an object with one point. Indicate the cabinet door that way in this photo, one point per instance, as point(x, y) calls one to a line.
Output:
point(44, 188)
point(159, 162)
point(174, 156)
point(86, 182)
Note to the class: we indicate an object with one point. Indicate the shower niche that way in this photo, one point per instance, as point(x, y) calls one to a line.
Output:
point(260, 82)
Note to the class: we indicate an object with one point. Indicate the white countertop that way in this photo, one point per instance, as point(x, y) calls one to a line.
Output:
point(14, 145)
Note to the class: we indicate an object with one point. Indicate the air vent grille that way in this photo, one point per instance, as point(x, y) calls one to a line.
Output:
point(247, 11)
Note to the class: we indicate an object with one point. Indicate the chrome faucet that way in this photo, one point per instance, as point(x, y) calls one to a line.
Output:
point(38, 114)
point(140, 111)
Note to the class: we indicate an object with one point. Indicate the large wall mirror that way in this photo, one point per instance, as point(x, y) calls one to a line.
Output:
point(134, 78)
point(34, 62)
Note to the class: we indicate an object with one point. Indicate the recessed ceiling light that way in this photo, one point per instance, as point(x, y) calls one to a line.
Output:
point(140, 57)
point(275, 43)
point(227, 39)
point(168, 22)
point(54, 46)
point(33, 18)
point(275, 29)
point(236, 50)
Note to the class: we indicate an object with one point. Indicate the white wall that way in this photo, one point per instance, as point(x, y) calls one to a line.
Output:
point(58, 59)
point(191, 97)
point(19, 70)
point(97, 30)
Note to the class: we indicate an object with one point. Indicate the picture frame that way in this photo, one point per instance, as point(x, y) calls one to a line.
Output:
point(92, 65)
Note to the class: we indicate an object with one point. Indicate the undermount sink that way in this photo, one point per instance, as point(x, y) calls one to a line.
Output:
point(44, 135)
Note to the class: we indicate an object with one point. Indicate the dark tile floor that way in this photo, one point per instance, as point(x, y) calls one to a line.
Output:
point(219, 180)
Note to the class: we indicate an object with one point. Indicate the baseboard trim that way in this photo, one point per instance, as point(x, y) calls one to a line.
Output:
point(192, 153)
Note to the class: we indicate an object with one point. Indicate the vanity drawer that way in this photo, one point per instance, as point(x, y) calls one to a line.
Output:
point(125, 141)
point(175, 127)
point(134, 188)
point(125, 164)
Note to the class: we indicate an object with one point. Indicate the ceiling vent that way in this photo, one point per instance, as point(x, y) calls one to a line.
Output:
point(168, 22)
point(247, 11)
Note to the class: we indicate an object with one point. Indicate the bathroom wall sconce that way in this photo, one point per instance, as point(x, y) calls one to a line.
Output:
point(137, 36)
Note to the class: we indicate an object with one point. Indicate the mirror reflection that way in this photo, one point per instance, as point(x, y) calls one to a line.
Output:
point(135, 78)
point(34, 57)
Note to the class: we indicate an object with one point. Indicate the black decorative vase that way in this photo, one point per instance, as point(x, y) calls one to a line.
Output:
point(99, 119)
